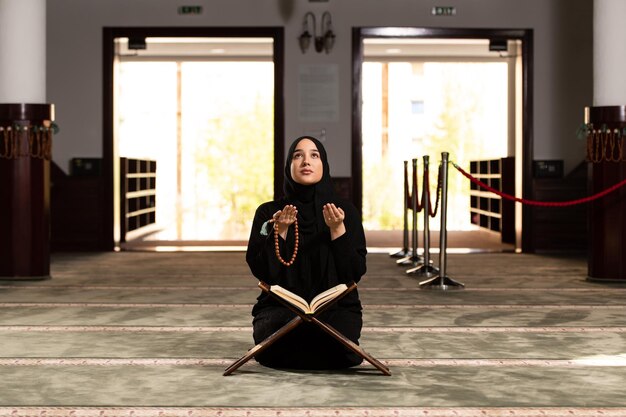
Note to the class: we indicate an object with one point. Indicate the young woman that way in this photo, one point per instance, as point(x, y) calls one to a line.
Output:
point(331, 250)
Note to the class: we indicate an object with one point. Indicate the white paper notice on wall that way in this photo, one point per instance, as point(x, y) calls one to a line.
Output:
point(318, 93)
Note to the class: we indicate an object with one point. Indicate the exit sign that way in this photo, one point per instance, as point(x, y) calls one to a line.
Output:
point(190, 10)
point(443, 11)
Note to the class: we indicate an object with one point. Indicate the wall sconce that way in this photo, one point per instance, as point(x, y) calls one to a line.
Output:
point(325, 41)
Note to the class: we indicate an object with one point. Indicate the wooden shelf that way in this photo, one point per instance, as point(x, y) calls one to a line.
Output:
point(138, 194)
point(76, 211)
point(487, 209)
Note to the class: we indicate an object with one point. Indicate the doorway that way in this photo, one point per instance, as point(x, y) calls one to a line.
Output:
point(179, 100)
point(425, 91)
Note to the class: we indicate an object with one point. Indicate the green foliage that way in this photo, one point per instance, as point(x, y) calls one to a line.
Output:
point(236, 157)
point(381, 216)
point(456, 129)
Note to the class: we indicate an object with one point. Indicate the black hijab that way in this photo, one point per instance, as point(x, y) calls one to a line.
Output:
point(309, 199)
point(314, 234)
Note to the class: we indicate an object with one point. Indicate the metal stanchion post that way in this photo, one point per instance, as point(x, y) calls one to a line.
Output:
point(427, 269)
point(414, 259)
point(442, 281)
point(405, 230)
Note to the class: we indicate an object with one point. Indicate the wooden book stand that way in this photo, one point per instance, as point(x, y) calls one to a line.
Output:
point(295, 322)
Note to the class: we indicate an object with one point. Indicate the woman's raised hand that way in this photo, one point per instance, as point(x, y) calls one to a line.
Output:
point(333, 217)
point(285, 218)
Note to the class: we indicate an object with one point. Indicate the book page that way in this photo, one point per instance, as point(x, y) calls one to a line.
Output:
point(291, 298)
point(328, 295)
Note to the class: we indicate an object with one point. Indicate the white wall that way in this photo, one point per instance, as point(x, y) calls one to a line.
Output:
point(562, 59)
point(26, 82)
point(609, 56)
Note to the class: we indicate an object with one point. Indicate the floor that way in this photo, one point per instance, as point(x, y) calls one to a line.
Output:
point(150, 333)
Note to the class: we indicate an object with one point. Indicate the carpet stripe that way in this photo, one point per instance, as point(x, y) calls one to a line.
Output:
point(368, 306)
point(312, 412)
point(125, 305)
point(245, 288)
point(601, 361)
point(208, 329)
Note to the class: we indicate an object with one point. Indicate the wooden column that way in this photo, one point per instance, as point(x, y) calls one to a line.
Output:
point(25, 191)
point(607, 215)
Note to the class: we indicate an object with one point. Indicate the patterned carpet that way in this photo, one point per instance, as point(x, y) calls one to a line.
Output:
point(149, 334)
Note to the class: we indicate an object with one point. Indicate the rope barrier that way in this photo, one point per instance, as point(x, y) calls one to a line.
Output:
point(418, 205)
point(413, 258)
point(404, 252)
point(540, 203)
point(414, 203)
point(442, 281)
point(432, 212)
point(425, 267)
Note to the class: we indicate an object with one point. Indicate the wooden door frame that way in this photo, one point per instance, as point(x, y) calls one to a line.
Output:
point(524, 35)
point(108, 50)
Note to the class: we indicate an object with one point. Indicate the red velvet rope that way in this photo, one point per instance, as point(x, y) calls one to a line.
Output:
point(414, 191)
point(438, 192)
point(409, 194)
point(541, 203)
point(432, 212)
point(419, 202)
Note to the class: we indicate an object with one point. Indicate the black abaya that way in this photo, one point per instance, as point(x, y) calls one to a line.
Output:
point(319, 265)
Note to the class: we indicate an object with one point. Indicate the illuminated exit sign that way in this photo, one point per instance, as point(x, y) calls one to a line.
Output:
point(443, 11)
point(187, 10)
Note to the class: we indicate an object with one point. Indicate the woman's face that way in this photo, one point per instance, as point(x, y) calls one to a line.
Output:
point(306, 164)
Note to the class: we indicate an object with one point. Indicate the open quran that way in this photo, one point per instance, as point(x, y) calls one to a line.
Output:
point(318, 301)
point(306, 312)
